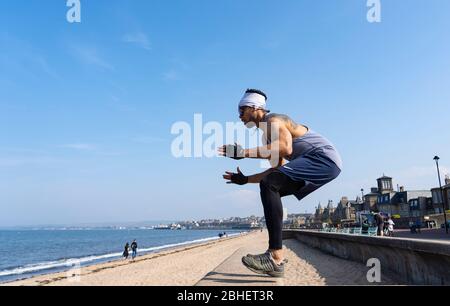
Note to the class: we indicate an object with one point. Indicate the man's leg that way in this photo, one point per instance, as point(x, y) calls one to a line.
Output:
point(273, 187)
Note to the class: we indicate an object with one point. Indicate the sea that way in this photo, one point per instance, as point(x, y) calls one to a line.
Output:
point(27, 253)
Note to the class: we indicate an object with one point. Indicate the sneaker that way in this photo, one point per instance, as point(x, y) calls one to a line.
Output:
point(264, 264)
point(285, 261)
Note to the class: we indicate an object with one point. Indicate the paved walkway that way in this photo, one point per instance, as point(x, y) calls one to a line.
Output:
point(307, 267)
point(426, 234)
point(232, 272)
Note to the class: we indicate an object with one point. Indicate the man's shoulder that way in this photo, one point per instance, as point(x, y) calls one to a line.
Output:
point(278, 119)
point(275, 117)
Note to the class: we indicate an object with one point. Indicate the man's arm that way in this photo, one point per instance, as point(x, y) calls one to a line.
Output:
point(257, 178)
point(280, 146)
point(240, 179)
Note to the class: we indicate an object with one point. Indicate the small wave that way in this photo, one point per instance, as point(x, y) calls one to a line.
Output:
point(74, 262)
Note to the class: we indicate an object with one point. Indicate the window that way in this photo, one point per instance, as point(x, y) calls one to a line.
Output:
point(437, 196)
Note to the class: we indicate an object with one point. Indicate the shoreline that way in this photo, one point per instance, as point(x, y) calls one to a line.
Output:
point(67, 274)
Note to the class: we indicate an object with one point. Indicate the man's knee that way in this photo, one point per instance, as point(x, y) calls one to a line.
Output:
point(271, 181)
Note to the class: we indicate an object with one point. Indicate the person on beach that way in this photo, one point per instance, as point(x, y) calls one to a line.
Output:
point(312, 162)
point(126, 253)
point(134, 247)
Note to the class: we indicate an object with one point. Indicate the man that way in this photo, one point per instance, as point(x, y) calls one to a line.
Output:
point(125, 253)
point(134, 247)
point(312, 162)
point(380, 224)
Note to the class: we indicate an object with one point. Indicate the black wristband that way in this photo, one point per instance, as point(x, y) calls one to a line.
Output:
point(239, 179)
point(235, 152)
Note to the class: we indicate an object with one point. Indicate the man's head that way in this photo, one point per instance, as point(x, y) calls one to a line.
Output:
point(252, 107)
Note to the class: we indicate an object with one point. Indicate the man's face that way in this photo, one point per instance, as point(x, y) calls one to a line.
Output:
point(246, 114)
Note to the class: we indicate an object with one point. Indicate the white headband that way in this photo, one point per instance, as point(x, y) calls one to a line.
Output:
point(253, 100)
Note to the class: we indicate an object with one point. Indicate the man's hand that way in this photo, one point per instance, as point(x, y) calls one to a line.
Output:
point(236, 178)
point(232, 151)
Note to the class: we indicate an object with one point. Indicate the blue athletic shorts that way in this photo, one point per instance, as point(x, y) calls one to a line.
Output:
point(314, 168)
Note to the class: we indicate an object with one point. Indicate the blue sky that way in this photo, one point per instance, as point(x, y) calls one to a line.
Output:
point(86, 109)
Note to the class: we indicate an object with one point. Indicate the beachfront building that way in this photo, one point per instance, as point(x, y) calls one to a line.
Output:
point(385, 193)
point(404, 205)
point(438, 201)
point(328, 212)
point(319, 213)
point(420, 207)
point(399, 203)
point(251, 222)
point(370, 200)
point(316, 219)
point(438, 197)
point(299, 220)
point(346, 210)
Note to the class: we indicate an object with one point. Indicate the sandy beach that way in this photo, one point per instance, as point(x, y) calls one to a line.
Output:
point(188, 266)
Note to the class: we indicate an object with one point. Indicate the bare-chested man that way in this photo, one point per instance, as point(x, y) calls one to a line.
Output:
point(302, 162)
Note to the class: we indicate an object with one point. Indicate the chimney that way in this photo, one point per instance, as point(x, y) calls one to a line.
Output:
point(402, 189)
point(374, 190)
point(447, 179)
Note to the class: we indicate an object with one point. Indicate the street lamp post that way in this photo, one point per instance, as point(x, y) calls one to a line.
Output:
point(436, 159)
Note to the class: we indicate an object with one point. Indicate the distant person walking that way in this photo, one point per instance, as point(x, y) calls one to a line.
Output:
point(380, 224)
point(134, 247)
point(391, 227)
point(125, 251)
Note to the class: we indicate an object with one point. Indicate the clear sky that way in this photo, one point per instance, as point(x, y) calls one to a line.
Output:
point(86, 109)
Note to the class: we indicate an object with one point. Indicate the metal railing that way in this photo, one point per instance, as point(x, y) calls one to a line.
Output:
point(372, 231)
